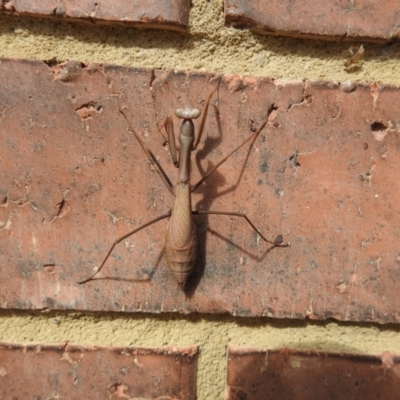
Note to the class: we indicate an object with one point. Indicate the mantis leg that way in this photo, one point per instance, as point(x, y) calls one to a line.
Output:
point(278, 242)
point(169, 127)
point(254, 137)
point(161, 217)
point(204, 117)
point(150, 155)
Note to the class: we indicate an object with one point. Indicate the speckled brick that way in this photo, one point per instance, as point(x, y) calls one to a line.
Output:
point(258, 374)
point(64, 371)
point(367, 20)
point(159, 14)
point(323, 174)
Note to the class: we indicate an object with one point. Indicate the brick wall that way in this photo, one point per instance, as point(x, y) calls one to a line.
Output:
point(321, 173)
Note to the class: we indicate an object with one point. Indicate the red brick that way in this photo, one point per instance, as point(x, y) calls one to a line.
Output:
point(256, 374)
point(322, 174)
point(367, 20)
point(37, 371)
point(159, 14)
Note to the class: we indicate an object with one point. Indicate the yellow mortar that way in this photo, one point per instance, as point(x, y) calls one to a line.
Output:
point(213, 48)
point(209, 47)
point(212, 333)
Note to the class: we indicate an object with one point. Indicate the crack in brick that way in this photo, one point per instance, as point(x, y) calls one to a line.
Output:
point(375, 91)
point(115, 219)
point(86, 111)
point(293, 159)
point(152, 79)
point(21, 201)
point(351, 7)
point(306, 99)
point(63, 209)
point(272, 112)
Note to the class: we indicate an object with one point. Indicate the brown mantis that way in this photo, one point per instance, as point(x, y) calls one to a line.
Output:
point(181, 239)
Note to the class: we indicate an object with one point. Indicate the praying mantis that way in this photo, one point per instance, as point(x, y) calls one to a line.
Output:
point(181, 239)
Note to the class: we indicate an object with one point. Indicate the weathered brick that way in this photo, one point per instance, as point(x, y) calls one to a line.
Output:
point(257, 374)
point(159, 14)
point(38, 371)
point(322, 174)
point(367, 20)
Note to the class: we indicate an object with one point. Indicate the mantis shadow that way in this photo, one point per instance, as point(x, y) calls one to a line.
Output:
point(210, 192)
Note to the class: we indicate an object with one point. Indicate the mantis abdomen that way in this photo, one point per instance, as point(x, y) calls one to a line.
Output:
point(181, 239)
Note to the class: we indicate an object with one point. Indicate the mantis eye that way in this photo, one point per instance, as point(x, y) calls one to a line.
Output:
point(187, 113)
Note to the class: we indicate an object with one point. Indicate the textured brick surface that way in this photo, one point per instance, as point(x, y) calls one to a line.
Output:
point(87, 372)
point(160, 14)
point(255, 374)
point(371, 20)
point(323, 174)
